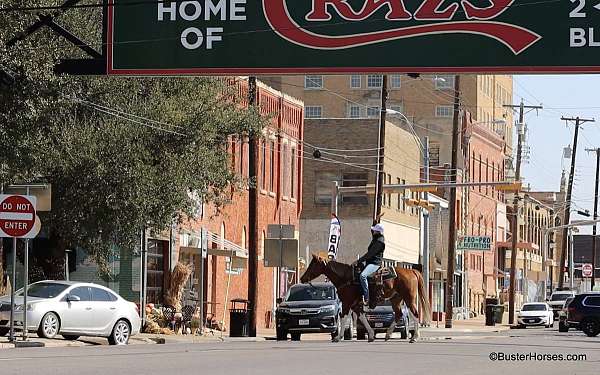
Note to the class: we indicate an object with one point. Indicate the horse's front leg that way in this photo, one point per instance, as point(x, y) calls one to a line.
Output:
point(365, 323)
point(344, 321)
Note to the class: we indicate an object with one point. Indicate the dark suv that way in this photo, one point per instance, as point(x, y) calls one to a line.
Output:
point(381, 318)
point(309, 308)
point(584, 313)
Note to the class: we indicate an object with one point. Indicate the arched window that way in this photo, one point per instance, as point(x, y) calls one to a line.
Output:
point(244, 242)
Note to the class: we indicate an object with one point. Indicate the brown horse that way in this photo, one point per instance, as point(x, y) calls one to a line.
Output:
point(405, 287)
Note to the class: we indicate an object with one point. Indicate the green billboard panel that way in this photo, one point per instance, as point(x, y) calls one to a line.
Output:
point(337, 36)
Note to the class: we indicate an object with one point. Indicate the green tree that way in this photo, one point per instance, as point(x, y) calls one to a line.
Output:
point(120, 153)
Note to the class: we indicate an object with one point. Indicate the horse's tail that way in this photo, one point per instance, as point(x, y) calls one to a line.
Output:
point(424, 301)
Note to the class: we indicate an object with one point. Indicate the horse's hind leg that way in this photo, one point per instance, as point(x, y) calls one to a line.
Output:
point(396, 305)
point(415, 312)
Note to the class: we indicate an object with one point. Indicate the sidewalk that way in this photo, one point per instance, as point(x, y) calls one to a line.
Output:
point(473, 325)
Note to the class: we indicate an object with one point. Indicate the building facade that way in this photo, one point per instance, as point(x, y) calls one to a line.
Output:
point(348, 154)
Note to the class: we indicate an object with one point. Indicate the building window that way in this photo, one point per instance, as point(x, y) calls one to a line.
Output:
point(400, 200)
point(354, 179)
point(396, 81)
point(293, 173)
point(323, 186)
point(354, 111)
point(283, 167)
point(444, 82)
point(355, 81)
point(397, 108)
point(404, 197)
point(374, 81)
point(389, 195)
point(272, 167)
point(156, 267)
point(313, 82)
point(313, 111)
point(263, 166)
point(434, 154)
point(373, 111)
point(443, 111)
point(241, 158)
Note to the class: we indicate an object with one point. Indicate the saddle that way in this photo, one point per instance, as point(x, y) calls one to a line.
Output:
point(376, 281)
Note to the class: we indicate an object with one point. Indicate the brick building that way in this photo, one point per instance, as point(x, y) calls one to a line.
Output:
point(484, 154)
point(279, 179)
point(349, 156)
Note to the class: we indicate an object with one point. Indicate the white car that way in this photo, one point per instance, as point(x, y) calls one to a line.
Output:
point(73, 309)
point(535, 314)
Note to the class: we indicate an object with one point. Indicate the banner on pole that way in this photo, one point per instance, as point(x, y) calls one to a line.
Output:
point(335, 233)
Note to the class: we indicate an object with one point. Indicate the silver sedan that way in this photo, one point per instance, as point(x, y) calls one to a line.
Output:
point(73, 309)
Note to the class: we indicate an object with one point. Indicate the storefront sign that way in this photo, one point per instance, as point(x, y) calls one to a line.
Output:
point(475, 243)
point(299, 36)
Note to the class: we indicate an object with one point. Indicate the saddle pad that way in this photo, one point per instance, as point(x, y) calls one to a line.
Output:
point(385, 273)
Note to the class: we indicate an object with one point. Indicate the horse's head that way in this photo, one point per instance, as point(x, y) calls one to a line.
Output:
point(315, 269)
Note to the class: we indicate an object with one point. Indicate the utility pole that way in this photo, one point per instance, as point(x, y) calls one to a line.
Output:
point(597, 151)
point(567, 214)
point(252, 217)
point(380, 152)
point(515, 214)
point(426, 222)
point(452, 207)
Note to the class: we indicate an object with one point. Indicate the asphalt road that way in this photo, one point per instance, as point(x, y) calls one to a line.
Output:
point(462, 354)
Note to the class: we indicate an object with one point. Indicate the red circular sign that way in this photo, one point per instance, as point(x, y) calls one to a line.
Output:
point(586, 270)
point(17, 216)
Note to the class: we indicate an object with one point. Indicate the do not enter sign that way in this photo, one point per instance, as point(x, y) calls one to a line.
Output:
point(17, 216)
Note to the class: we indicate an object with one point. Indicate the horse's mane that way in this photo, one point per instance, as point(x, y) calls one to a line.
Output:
point(342, 270)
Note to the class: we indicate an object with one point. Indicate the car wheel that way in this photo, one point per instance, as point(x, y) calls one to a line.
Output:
point(296, 336)
point(563, 327)
point(120, 333)
point(70, 337)
point(403, 333)
point(590, 327)
point(281, 335)
point(49, 326)
point(4, 331)
point(360, 334)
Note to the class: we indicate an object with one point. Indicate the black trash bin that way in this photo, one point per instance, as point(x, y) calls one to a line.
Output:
point(489, 315)
point(239, 321)
point(498, 313)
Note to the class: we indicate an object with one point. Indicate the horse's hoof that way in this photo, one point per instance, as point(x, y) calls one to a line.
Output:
point(387, 338)
point(335, 340)
point(412, 341)
point(371, 339)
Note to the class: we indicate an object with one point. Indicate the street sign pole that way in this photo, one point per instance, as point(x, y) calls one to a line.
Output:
point(25, 287)
point(13, 282)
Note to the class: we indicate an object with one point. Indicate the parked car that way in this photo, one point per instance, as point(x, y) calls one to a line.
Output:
point(310, 309)
point(563, 324)
point(557, 300)
point(381, 318)
point(535, 314)
point(73, 309)
point(584, 313)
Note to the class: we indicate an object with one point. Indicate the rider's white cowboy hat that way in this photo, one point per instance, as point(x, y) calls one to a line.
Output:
point(377, 228)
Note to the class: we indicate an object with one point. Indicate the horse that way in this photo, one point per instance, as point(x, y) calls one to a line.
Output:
point(402, 288)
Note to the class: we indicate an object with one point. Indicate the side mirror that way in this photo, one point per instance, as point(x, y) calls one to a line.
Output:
point(279, 300)
point(73, 298)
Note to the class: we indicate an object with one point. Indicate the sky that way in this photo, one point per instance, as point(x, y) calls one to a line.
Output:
point(569, 96)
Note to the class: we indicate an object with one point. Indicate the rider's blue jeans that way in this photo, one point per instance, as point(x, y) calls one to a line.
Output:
point(368, 271)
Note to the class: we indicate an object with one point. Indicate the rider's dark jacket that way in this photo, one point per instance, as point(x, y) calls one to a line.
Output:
point(375, 251)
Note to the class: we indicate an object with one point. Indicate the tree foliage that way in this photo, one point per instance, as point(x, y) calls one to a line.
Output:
point(120, 153)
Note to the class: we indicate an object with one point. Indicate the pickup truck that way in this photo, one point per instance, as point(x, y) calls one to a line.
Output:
point(557, 300)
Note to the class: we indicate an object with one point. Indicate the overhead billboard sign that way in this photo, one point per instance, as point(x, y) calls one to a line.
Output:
point(329, 36)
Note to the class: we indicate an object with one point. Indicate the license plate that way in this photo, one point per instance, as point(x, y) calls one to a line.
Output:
point(303, 322)
point(378, 325)
point(530, 320)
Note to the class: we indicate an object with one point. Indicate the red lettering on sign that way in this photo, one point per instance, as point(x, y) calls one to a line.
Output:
point(320, 11)
point(498, 7)
point(429, 10)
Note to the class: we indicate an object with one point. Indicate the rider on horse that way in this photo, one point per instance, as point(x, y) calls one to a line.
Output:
point(372, 259)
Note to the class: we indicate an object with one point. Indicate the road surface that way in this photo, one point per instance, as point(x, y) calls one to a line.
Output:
point(462, 354)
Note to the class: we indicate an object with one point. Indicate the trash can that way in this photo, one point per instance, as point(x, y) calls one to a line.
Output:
point(239, 322)
point(498, 313)
point(489, 315)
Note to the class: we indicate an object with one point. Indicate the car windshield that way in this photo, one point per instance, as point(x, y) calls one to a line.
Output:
point(44, 290)
point(310, 293)
point(560, 297)
point(569, 301)
point(535, 307)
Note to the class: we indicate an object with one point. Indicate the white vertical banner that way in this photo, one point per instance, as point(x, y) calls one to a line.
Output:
point(335, 233)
